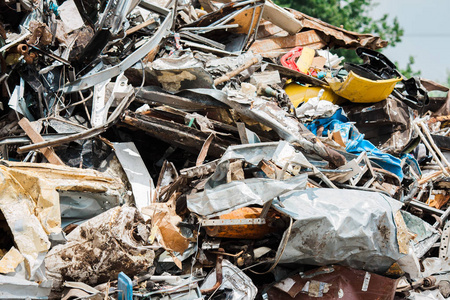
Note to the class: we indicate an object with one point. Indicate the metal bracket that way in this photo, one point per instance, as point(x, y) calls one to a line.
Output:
point(230, 222)
point(445, 238)
point(211, 245)
point(367, 167)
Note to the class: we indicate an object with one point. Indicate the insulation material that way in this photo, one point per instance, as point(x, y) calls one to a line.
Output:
point(99, 249)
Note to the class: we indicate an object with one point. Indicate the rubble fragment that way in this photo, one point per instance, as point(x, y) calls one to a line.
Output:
point(214, 149)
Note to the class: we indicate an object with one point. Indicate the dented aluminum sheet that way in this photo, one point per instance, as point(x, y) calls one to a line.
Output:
point(349, 227)
point(334, 282)
point(177, 73)
point(220, 196)
point(144, 192)
point(338, 37)
point(17, 288)
point(215, 201)
point(233, 279)
point(99, 249)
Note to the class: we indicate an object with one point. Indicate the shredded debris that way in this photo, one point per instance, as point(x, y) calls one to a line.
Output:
point(157, 149)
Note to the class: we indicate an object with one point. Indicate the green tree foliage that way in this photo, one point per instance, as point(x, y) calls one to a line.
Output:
point(448, 78)
point(352, 15)
point(408, 70)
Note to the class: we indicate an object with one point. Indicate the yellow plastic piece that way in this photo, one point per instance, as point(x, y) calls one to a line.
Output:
point(362, 90)
point(305, 60)
point(299, 93)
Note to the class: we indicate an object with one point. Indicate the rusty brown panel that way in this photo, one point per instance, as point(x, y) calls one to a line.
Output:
point(335, 282)
point(245, 231)
point(337, 36)
point(246, 22)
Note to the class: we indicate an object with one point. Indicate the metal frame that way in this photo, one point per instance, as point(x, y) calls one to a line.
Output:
point(231, 222)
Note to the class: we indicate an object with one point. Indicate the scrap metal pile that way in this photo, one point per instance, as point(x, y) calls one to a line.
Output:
point(158, 149)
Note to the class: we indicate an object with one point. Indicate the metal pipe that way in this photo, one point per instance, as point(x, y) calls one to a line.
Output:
point(207, 29)
point(219, 275)
point(443, 217)
point(433, 144)
point(334, 171)
point(435, 156)
point(423, 206)
point(413, 191)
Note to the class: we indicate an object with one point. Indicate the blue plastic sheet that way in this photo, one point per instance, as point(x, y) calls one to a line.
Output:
point(355, 142)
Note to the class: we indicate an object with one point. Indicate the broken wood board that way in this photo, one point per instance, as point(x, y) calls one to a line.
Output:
point(35, 137)
point(274, 47)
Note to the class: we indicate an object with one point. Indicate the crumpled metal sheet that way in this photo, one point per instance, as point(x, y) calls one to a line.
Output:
point(220, 66)
point(184, 72)
point(99, 249)
point(236, 194)
point(280, 152)
point(12, 287)
point(338, 37)
point(425, 234)
point(234, 279)
point(43, 181)
point(18, 208)
point(220, 197)
point(426, 295)
point(10, 261)
point(349, 227)
point(164, 226)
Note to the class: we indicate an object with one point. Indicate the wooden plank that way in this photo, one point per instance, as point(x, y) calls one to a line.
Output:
point(140, 26)
point(35, 137)
point(242, 132)
point(204, 151)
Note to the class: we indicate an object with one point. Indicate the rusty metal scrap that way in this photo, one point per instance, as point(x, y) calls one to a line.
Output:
point(207, 149)
point(339, 37)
